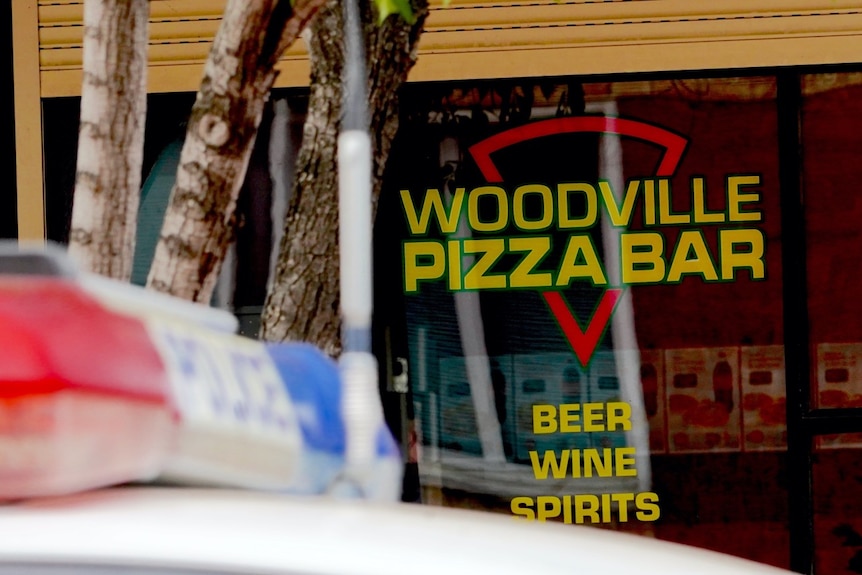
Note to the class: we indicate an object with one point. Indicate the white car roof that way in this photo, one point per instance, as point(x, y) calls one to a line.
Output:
point(246, 532)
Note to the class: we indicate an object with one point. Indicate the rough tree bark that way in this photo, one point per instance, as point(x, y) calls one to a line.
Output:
point(111, 137)
point(303, 300)
point(238, 76)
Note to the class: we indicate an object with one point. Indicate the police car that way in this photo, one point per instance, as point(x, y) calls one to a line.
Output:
point(184, 531)
point(140, 435)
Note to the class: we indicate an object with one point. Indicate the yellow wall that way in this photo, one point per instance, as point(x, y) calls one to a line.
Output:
point(465, 39)
point(28, 121)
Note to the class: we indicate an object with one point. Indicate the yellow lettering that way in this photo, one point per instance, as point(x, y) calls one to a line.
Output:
point(477, 276)
point(576, 463)
point(619, 416)
point(732, 259)
point(448, 222)
point(565, 221)
point(601, 463)
point(547, 207)
point(523, 506)
point(642, 260)
point(622, 500)
point(665, 202)
point(415, 271)
point(454, 253)
point(649, 202)
point(620, 215)
point(735, 197)
point(624, 462)
point(547, 507)
point(647, 504)
point(587, 506)
point(594, 415)
point(691, 257)
point(534, 250)
point(549, 463)
point(580, 261)
point(544, 419)
point(569, 416)
point(502, 209)
point(611, 416)
point(701, 216)
point(606, 508)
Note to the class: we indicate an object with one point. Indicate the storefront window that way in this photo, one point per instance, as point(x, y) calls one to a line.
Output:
point(837, 508)
point(261, 204)
point(831, 171)
point(591, 278)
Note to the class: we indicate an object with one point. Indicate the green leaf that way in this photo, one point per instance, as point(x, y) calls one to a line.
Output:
point(386, 8)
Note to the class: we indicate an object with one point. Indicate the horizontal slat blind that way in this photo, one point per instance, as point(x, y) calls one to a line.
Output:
point(509, 38)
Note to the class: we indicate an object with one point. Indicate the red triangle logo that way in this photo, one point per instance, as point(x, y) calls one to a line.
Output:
point(583, 343)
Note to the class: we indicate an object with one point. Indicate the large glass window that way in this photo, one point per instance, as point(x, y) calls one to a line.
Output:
point(591, 276)
point(581, 301)
point(261, 204)
point(831, 143)
point(837, 509)
point(831, 171)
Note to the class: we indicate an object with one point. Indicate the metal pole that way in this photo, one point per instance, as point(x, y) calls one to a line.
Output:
point(361, 406)
point(354, 168)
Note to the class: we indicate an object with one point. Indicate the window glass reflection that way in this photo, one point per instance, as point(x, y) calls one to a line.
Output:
point(831, 171)
point(837, 511)
point(591, 277)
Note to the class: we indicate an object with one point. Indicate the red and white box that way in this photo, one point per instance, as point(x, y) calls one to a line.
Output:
point(839, 384)
point(764, 398)
point(703, 411)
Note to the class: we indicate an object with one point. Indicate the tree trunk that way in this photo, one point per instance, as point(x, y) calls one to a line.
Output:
point(303, 302)
point(111, 138)
point(238, 76)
